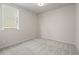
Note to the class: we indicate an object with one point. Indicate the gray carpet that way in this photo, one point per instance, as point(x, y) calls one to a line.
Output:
point(41, 47)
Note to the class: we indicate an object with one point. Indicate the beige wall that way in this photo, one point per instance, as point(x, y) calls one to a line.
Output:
point(58, 24)
point(28, 29)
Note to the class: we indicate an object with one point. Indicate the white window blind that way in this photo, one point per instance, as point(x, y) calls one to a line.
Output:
point(10, 17)
point(0, 17)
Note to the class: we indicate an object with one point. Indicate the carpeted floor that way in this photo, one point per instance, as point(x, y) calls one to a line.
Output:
point(41, 47)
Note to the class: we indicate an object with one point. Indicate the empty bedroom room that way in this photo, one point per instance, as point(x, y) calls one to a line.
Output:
point(39, 29)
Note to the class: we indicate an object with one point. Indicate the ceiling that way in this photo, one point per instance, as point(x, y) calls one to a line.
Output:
point(39, 9)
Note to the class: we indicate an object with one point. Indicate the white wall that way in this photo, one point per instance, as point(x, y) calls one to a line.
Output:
point(77, 25)
point(28, 29)
point(58, 24)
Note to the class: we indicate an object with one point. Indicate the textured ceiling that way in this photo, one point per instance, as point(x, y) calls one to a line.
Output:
point(39, 9)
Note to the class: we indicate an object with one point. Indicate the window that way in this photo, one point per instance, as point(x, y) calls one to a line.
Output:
point(10, 17)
